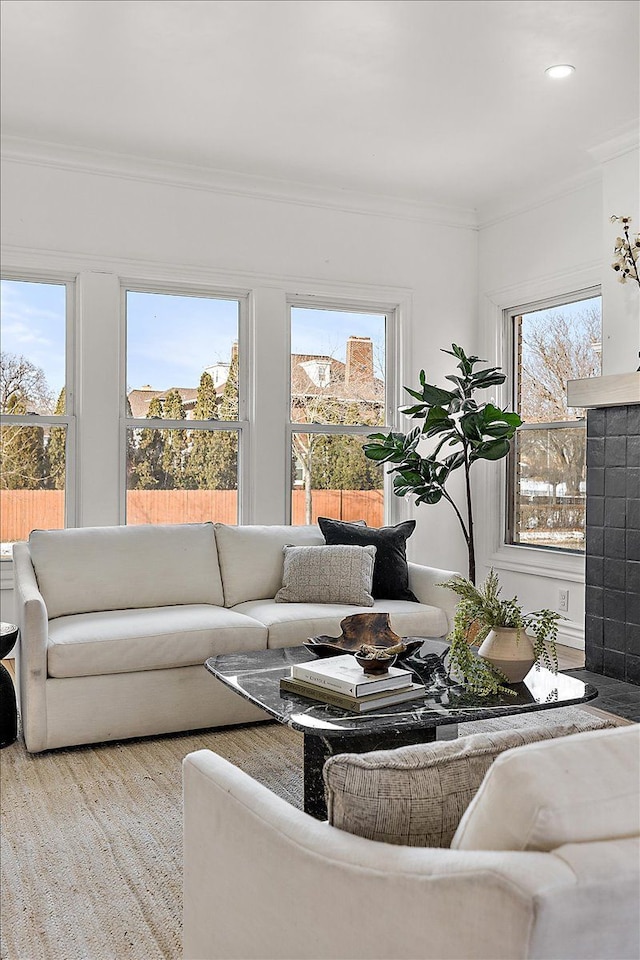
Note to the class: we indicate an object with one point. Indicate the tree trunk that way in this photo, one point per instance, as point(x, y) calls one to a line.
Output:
point(308, 496)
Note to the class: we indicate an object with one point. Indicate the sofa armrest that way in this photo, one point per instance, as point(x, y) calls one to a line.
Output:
point(424, 583)
point(31, 652)
point(264, 880)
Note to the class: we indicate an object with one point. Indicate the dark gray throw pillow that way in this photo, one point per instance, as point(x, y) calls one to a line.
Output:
point(390, 573)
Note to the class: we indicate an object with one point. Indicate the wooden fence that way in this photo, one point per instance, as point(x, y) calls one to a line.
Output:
point(24, 510)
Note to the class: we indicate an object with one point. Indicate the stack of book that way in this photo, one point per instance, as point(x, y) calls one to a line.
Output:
point(341, 682)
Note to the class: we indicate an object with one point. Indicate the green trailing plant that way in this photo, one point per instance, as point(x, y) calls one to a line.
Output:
point(481, 609)
point(465, 430)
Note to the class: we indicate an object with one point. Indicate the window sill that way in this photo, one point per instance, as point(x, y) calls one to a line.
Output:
point(541, 563)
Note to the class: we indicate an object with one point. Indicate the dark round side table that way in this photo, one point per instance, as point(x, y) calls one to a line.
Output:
point(8, 711)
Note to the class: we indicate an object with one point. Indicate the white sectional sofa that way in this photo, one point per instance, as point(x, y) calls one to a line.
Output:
point(116, 623)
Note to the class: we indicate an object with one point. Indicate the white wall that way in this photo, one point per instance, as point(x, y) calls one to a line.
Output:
point(555, 248)
point(621, 302)
point(101, 228)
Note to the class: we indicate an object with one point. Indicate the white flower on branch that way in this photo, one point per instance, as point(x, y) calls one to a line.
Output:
point(627, 252)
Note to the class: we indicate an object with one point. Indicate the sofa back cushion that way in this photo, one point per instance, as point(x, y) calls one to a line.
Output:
point(576, 790)
point(252, 558)
point(416, 795)
point(119, 568)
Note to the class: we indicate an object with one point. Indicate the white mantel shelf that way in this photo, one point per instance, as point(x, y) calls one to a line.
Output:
point(617, 390)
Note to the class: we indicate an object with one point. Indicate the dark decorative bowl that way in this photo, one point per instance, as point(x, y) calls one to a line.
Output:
point(370, 628)
point(333, 646)
point(374, 667)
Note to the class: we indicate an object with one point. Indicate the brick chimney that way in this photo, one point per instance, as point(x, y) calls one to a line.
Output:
point(359, 366)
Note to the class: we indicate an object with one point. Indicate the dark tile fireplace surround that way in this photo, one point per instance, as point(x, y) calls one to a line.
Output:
point(612, 577)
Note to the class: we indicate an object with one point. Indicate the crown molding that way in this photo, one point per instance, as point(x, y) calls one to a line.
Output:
point(625, 142)
point(192, 177)
point(34, 261)
point(564, 188)
point(583, 276)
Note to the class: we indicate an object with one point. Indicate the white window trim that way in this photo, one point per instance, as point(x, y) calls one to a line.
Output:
point(395, 508)
point(245, 377)
point(491, 490)
point(69, 418)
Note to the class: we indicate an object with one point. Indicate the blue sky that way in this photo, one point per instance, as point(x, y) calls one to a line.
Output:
point(170, 339)
point(33, 324)
point(574, 311)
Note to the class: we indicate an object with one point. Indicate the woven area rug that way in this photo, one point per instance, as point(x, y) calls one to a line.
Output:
point(92, 836)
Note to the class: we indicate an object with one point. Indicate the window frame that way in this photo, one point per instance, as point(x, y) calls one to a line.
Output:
point(241, 426)
point(392, 505)
point(510, 317)
point(69, 418)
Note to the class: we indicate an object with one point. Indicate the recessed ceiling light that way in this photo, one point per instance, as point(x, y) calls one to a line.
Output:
point(560, 71)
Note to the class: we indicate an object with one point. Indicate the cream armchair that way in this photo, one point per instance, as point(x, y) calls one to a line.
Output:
point(264, 880)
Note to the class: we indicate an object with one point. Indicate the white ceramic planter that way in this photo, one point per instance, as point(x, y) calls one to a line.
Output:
point(510, 653)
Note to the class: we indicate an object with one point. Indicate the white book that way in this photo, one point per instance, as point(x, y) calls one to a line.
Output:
point(372, 701)
point(345, 675)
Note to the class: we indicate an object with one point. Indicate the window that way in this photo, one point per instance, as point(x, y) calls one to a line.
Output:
point(182, 408)
point(36, 401)
point(339, 395)
point(553, 343)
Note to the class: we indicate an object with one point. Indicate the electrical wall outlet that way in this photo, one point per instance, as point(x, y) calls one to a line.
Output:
point(563, 601)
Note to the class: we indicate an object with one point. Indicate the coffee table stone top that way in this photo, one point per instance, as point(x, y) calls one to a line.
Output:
point(256, 676)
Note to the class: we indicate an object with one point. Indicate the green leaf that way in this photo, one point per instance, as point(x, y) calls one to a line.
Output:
point(417, 411)
point(375, 451)
point(413, 393)
point(432, 496)
point(455, 461)
point(471, 425)
point(487, 378)
point(491, 450)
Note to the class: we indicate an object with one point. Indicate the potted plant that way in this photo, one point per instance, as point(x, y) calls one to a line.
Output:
point(510, 641)
point(465, 429)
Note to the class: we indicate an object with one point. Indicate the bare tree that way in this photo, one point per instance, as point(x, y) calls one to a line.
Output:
point(23, 390)
point(22, 380)
point(556, 347)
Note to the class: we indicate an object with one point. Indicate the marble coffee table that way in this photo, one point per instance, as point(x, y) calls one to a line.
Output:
point(329, 730)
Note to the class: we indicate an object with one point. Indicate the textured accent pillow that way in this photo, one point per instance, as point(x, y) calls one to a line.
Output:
point(341, 574)
point(416, 795)
point(391, 572)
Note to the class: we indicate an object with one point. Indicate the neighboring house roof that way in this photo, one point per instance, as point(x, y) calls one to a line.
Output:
point(312, 376)
point(140, 399)
point(363, 388)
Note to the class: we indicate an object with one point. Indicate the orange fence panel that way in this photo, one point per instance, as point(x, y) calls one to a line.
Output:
point(22, 511)
point(182, 506)
point(367, 505)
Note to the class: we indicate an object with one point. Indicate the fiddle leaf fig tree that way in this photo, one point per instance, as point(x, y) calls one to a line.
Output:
point(465, 430)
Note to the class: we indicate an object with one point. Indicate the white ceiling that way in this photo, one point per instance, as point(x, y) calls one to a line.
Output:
point(437, 101)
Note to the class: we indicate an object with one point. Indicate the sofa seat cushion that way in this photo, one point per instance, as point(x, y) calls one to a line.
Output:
point(291, 623)
point(153, 638)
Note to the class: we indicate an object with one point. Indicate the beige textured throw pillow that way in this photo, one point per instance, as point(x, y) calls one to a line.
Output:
point(341, 574)
point(416, 795)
